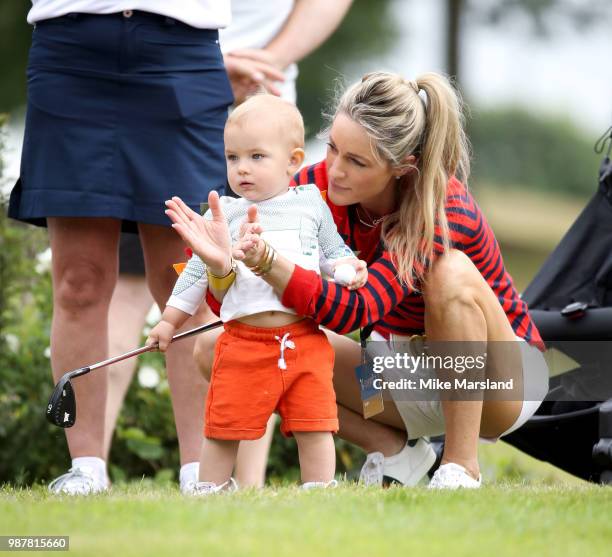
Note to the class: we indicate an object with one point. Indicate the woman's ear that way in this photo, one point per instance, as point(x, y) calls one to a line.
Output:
point(295, 160)
point(408, 164)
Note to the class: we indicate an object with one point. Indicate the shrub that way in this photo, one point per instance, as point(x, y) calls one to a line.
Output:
point(513, 147)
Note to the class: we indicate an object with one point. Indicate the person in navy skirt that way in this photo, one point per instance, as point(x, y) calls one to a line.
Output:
point(125, 108)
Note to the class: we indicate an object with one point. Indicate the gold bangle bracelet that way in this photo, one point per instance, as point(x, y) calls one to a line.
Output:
point(264, 256)
point(264, 261)
point(224, 282)
point(265, 268)
point(264, 265)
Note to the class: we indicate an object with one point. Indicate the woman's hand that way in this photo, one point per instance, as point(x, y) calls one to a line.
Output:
point(361, 270)
point(362, 274)
point(209, 239)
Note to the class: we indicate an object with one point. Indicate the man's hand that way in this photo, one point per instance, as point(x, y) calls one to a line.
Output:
point(250, 69)
point(209, 239)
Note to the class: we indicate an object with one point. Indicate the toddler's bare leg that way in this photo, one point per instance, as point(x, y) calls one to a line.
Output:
point(217, 460)
point(252, 458)
point(317, 455)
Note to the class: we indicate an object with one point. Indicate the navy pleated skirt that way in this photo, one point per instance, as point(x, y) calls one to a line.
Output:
point(123, 112)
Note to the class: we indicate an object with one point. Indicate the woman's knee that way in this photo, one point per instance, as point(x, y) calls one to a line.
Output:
point(82, 283)
point(452, 279)
point(498, 416)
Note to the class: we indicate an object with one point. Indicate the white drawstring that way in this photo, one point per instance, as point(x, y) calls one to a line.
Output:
point(284, 343)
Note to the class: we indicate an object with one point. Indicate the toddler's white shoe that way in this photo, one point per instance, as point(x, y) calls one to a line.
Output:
point(318, 485)
point(202, 489)
point(79, 480)
point(453, 476)
point(406, 467)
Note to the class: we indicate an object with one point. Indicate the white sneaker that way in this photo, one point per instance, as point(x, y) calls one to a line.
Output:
point(453, 476)
point(79, 480)
point(406, 467)
point(189, 487)
point(372, 470)
point(203, 489)
point(317, 485)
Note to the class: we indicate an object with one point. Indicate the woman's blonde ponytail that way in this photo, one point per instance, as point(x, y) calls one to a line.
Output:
point(421, 117)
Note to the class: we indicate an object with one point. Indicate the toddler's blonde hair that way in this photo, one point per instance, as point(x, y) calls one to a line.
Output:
point(270, 108)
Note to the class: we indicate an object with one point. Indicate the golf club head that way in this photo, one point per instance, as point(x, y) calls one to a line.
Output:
point(61, 410)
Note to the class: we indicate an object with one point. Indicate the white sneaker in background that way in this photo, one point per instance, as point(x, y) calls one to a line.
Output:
point(188, 487)
point(317, 485)
point(202, 489)
point(406, 467)
point(372, 470)
point(79, 480)
point(453, 476)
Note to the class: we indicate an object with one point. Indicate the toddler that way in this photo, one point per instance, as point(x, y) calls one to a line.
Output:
point(268, 358)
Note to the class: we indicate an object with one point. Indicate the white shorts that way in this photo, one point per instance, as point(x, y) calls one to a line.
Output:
point(425, 418)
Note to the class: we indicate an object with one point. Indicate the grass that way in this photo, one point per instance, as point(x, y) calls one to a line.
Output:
point(139, 519)
point(526, 506)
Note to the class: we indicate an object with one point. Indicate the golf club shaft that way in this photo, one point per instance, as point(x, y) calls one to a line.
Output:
point(148, 348)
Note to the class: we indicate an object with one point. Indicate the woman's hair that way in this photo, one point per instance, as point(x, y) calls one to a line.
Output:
point(424, 118)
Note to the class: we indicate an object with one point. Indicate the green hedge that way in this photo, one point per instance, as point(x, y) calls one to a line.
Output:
point(33, 450)
point(513, 147)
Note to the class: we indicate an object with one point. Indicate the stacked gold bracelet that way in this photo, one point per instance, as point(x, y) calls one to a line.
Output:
point(224, 282)
point(264, 265)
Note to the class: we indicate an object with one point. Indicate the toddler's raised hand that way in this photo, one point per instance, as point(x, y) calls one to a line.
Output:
point(209, 239)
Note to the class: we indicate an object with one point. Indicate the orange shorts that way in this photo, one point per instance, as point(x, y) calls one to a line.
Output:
point(247, 383)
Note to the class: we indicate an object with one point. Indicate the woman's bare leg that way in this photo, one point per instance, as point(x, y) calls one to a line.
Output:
point(129, 306)
point(460, 306)
point(84, 271)
point(386, 431)
point(162, 247)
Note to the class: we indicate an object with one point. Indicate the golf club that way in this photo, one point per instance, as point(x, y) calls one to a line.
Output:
point(61, 410)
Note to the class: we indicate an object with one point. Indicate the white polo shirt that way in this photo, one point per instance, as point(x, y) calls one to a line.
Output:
point(203, 14)
point(254, 25)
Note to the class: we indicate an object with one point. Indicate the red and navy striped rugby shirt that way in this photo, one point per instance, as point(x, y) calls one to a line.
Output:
point(384, 300)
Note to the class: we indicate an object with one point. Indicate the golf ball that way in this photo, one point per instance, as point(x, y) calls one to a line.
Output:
point(344, 274)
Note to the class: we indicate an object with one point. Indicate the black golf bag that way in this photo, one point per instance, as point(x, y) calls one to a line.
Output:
point(570, 300)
